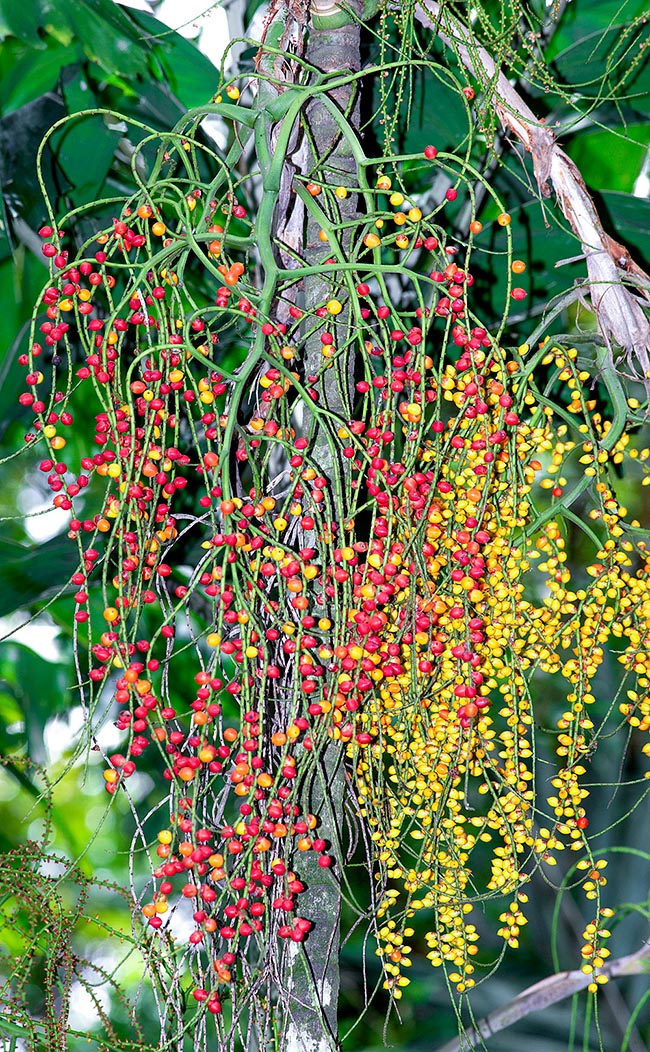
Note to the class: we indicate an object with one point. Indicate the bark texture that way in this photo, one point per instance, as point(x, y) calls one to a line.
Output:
point(312, 1023)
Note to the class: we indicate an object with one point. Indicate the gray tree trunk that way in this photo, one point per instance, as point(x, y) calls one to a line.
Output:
point(312, 1024)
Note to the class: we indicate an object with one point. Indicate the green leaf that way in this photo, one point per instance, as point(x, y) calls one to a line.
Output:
point(20, 134)
point(108, 35)
point(10, 383)
point(584, 17)
point(630, 222)
point(110, 16)
point(189, 74)
point(26, 74)
point(12, 723)
point(21, 20)
point(31, 574)
point(41, 688)
point(85, 146)
point(607, 62)
point(616, 160)
point(155, 105)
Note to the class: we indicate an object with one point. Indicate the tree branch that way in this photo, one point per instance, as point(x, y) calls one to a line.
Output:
point(547, 992)
point(611, 270)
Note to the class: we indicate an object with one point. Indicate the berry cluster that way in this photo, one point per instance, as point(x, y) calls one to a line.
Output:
point(389, 577)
